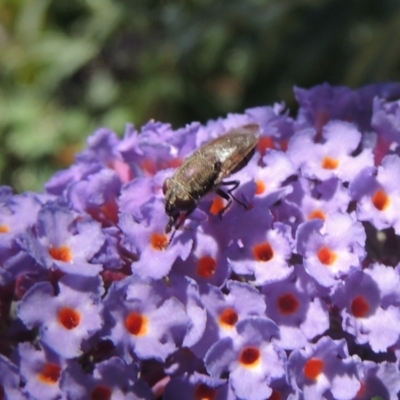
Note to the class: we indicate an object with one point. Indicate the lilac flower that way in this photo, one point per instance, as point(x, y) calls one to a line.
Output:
point(378, 194)
point(323, 103)
point(17, 214)
point(269, 178)
point(224, 311)
point(297, 309)
point(41, 370)
point(253, 362)
point(333, 158)
point(331, 249)
point(291, 292)
point(137, 193)
point(324, 368)
point(259, 250)
point(370, 301)
point(206, 263)
point(109, 254)
point(150, 242)
point(276, 125)
point(150, 151)
point(144, 322)
point(227, 310)
point(318, 200)
point(97, 195)
point(68, 319)
point(64, 243)
point(60, 181)
point(101, 148)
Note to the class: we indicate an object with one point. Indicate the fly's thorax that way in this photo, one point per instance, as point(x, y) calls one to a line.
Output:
point(198, 174)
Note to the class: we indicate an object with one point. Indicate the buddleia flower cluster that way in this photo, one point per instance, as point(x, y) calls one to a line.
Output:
point(295, 296)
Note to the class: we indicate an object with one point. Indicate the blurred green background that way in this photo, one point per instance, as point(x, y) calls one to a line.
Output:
point(67, 67)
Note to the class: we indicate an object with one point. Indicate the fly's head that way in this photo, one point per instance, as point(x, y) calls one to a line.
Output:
point(177, 200)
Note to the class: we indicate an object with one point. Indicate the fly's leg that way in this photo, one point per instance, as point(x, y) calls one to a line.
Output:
point(177, 223)
point(228, 196)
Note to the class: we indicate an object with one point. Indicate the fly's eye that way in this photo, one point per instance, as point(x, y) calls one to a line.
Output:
point(166, 185)
point(184, 202)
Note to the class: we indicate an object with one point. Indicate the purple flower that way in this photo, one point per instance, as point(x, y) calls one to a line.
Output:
point(17, 214)
point(378, 194)
point(68, 319)
point(323, 102)
point(65, 243)
point(260, 249)
point(324, 369)
point(297, 309)
point(370, 301)
point(97, 195)
point(144, 321)
point(151, 244)
point(276, 125)
point(41, 370)
point(251, 359)
point(318, 200)
point(333, 158)
point(269, 179)
point(151, 150)
point(206, 263)
point(224, 311)
point(331, 249)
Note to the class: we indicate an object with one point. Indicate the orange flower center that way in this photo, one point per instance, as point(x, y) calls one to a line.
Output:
point(264, 143)
point(228, 318)
point(317, 214)
point(62, 253)
point(288, 304)
point(250, 357)
point(313, 368)
point(159, 241)
point(50, 373)
point(206, 267)
point(217, 206)
point(326, 256)
point(330, 163)
point(136, 324)
point(380, 200)
point(69, 318)
point(261, 187)
point(263, 251)
point(359, 307)
point(4, 228)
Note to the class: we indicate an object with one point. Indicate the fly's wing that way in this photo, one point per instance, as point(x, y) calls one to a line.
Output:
point(234, 149)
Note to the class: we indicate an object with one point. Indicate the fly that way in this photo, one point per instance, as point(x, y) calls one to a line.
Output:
point(205, 170)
